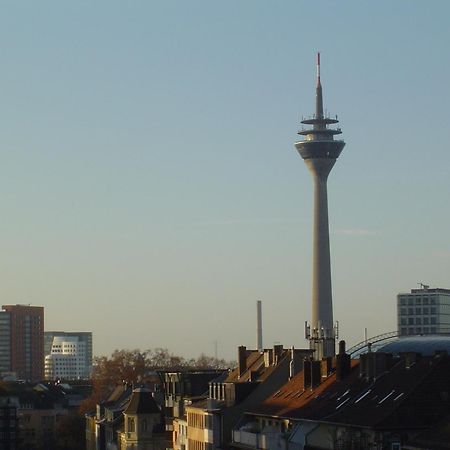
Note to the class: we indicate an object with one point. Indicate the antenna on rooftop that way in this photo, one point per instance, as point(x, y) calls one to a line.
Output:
point(424, 286)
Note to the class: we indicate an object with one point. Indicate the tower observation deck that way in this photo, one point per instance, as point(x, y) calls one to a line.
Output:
point(320, 150)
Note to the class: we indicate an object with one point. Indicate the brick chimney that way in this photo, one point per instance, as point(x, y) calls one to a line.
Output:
point(277, 353)
point(343, 362)
point(311, 373)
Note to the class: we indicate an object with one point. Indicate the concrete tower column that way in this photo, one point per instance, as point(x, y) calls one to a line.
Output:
point(320, 152)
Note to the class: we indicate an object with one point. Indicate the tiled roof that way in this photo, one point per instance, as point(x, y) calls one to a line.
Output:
point(142, 402)
point(361, 402)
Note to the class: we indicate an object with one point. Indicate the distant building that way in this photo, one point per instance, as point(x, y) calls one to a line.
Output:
point(8, 423)
point(5, 342)
point(84, 338)
point(67, 360)
point(423, 311)
point(23, 351)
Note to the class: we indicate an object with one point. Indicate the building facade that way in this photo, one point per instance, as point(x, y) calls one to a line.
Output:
point(5, 342)
point(67, 360)
point(423, 311)
point(26, 341)
point(83, 337)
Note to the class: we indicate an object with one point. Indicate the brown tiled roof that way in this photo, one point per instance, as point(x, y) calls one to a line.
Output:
point(255, 364)
point(255, 361)
point(385, 402)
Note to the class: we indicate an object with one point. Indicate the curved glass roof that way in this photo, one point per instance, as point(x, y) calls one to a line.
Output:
point(427, 345)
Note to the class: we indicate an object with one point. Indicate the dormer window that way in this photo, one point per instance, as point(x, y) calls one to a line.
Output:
point(130, 425)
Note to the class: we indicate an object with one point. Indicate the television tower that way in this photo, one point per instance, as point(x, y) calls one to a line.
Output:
point(320, 151)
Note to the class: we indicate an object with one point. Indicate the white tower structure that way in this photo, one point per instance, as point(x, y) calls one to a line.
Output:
point(320, 151)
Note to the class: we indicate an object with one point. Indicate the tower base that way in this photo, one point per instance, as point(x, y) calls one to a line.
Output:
point(323, 348)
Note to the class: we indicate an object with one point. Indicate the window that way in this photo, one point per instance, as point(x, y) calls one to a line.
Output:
point(418, 310)
point(130, 424)
point(433, 321)
point(410, 330)
point(426, 330)
point(410, 311)
point(432, 310)
point(418, 301)
point(410, 301)
point(426, 321)
point(411, 321)
point(403, 321)
point(403, 301)
point(418, 330)
point(403, 331)
point(425, 300)
point(403, 311)
point(418, 321)
point(432, 301)
point(425, 310)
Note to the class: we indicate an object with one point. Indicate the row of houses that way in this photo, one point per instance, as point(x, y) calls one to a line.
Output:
point(282, 398)
point(33, 416)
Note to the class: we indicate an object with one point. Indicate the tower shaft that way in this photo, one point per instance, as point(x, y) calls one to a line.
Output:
point(320, 151)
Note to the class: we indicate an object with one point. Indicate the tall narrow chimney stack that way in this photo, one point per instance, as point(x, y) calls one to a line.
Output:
point(259, 337)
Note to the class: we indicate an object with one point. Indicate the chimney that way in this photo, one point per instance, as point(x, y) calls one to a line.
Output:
point(267, 358)
point(316, 375)
point(373, 364)
point(259, 336)
point(242, 360)
point(410, 358)
point(277, 352)
point(326, 366)
point(311, 374)
point(343, 362)
point(307, 373)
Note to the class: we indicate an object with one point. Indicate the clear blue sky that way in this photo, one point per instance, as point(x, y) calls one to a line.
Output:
point(149, 187)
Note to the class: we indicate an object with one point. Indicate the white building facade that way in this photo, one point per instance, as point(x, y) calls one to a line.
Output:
point(67, 359)
point(423, 311)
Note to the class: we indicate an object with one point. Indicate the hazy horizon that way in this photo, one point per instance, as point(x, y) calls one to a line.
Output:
point(150, 188)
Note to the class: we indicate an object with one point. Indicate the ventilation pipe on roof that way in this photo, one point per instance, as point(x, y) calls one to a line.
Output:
point(293, 364)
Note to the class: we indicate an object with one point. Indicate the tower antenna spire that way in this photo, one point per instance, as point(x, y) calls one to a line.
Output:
point(318, 69)
point(319, 100)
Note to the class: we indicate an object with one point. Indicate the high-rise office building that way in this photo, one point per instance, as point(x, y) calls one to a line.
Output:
point(84, 338)
point(26, 340)
point(423, 311)
point(5, 342)
point(320, 151)
point(67, 359)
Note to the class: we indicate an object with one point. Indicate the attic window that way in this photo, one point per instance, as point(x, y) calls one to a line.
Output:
point(362, 396)
point(343, 403)
point(344, 394)
point(385, 398)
